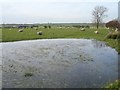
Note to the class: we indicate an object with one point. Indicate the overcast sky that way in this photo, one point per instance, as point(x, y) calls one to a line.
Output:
point(52, 11)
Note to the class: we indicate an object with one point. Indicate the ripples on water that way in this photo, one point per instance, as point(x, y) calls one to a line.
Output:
point(58, 63)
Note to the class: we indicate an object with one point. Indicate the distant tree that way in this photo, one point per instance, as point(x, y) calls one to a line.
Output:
point(98, 15)
point(76, 26)
point(49, 27)
point(87, 26)
point(45, 26)
point(83, 26)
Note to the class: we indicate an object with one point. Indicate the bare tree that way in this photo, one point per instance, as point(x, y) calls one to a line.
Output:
point(99, 14)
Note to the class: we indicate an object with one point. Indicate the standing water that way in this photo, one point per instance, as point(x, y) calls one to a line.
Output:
point(58, 63)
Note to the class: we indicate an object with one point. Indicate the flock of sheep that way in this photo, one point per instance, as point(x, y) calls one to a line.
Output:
point(40, 32)
point(96, 32)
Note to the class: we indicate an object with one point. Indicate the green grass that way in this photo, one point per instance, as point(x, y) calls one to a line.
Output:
point(30, 34)
point(113, 86)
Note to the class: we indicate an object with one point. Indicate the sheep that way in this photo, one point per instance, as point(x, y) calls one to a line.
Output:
point(36, 28)
point(39, 33)
point(20, 30)
point(82, 29)
point(117, 31)
point(107, 28)
point(96, 32)
point(60, 27)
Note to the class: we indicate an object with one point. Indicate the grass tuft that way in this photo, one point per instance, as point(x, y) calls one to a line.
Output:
point(113, 86)
point(28, 74)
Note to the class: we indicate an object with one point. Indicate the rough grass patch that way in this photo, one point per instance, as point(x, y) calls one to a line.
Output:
point(113, 86)
point(28, 74)
point(113, 35)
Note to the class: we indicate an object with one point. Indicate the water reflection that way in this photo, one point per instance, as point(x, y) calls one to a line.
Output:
point(58, 63)
point(98, 44)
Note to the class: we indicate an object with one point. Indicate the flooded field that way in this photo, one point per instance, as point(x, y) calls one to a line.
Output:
point(58, 63)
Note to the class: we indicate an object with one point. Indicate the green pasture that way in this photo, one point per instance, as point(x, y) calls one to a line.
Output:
point(30, 34)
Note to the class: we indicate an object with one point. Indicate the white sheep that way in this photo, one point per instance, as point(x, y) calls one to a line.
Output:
point(82, 29)
point(20, 30)
point(39, 33)
point(108, 28)
point(116, 30)
point(96, 32)
point(60, 27)
point(36, 28)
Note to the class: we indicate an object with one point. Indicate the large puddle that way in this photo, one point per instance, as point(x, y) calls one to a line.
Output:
point(58, 63)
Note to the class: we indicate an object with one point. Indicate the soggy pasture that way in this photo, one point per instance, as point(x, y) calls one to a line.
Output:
point(30, 33)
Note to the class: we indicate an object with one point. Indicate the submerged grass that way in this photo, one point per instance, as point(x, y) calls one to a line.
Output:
point(28, 74)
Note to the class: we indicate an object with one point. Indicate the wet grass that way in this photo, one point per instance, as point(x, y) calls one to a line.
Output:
point(29, 34)
point(53, 33)
point(113, 86)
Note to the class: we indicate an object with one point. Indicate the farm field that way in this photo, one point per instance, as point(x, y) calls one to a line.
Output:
point(60, 44)
point(31, 34)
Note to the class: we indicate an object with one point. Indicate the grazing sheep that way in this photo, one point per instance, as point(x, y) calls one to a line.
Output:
point(36, 28)
point(60, 27)
point(20, 30)
point(107, 28)
point(96, 32)
point(82, 29)
point(39, 33)
point(117, 31)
